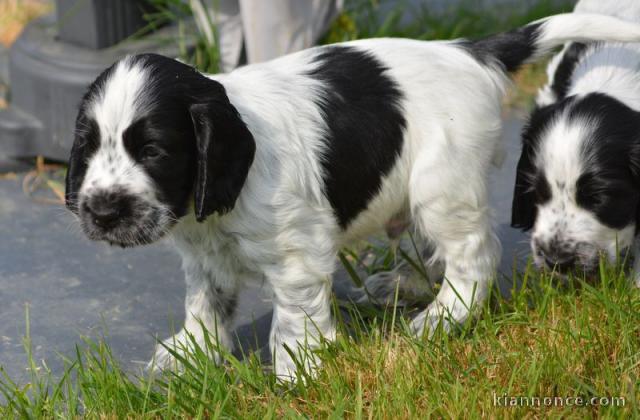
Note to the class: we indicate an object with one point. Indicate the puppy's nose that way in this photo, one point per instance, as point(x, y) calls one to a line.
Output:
point(562, 265)
point(558, 258)
point(105, 209)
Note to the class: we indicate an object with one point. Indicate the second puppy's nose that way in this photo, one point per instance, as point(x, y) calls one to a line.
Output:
point(563, 265)
point(558, 257)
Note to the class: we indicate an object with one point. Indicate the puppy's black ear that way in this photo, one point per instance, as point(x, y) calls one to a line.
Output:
point(634, 160)
point(71, 181)
point(225, 151)
point(85, 138)
point(523, 208)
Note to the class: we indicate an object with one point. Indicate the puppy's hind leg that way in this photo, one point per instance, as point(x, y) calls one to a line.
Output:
point(404, 285)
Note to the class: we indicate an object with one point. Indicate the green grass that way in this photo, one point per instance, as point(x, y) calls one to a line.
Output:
point(548, 339)
point(465, 19)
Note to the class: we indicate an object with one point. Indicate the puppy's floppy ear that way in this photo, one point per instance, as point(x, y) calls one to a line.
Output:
point(84, 142)
point(523, 207)
point(72, 183)
point(634, 160)
point(224, 152)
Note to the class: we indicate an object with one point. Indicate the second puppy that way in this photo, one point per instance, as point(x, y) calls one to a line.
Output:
point(578, 178)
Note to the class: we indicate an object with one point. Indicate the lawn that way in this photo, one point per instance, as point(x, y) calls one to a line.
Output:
point(551, 348)
point(550, 339)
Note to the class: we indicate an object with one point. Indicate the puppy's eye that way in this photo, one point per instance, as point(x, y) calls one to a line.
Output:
point(542, 189)
point(150, 152)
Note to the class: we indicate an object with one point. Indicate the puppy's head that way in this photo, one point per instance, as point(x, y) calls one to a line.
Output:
point(153, 134)
point(578, 184)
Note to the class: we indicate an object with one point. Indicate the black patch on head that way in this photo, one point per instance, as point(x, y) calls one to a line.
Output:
point(609, 186)
point(163, 140)
point(542, 189)
point(564, 72)
point(168, 140)
point(510, 49)
point(193, 141)
point(85, 144)
point(362, 110)
point(161, 145)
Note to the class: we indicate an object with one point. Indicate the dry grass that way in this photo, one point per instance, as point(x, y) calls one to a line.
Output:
point(14, 14)
point(527, 83)
point(43, 184)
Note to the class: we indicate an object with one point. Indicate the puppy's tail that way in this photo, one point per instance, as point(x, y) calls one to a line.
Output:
point(528, 43)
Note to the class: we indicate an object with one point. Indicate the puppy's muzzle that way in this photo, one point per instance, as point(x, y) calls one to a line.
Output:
point(106, 209)
point(566, 256)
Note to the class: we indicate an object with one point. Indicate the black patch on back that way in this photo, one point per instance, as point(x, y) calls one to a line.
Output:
point(365, 123)
point(564, 72)
point(511, 49)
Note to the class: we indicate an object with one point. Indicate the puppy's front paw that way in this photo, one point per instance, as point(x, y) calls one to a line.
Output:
point(169, 352)
point(428, 320)
point(287, 367)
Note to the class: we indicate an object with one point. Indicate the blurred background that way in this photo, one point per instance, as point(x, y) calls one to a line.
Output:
point(46, 64)
point(62, 286)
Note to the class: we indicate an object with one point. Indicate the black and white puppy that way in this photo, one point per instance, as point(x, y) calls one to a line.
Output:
point(264, 173)
point(578, 178)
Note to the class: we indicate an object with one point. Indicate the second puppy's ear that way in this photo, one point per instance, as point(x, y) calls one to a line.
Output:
point(634, 160)
point(224, 153)
point(523, 207)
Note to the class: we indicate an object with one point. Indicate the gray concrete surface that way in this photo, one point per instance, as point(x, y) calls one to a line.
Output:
point(74, 287)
